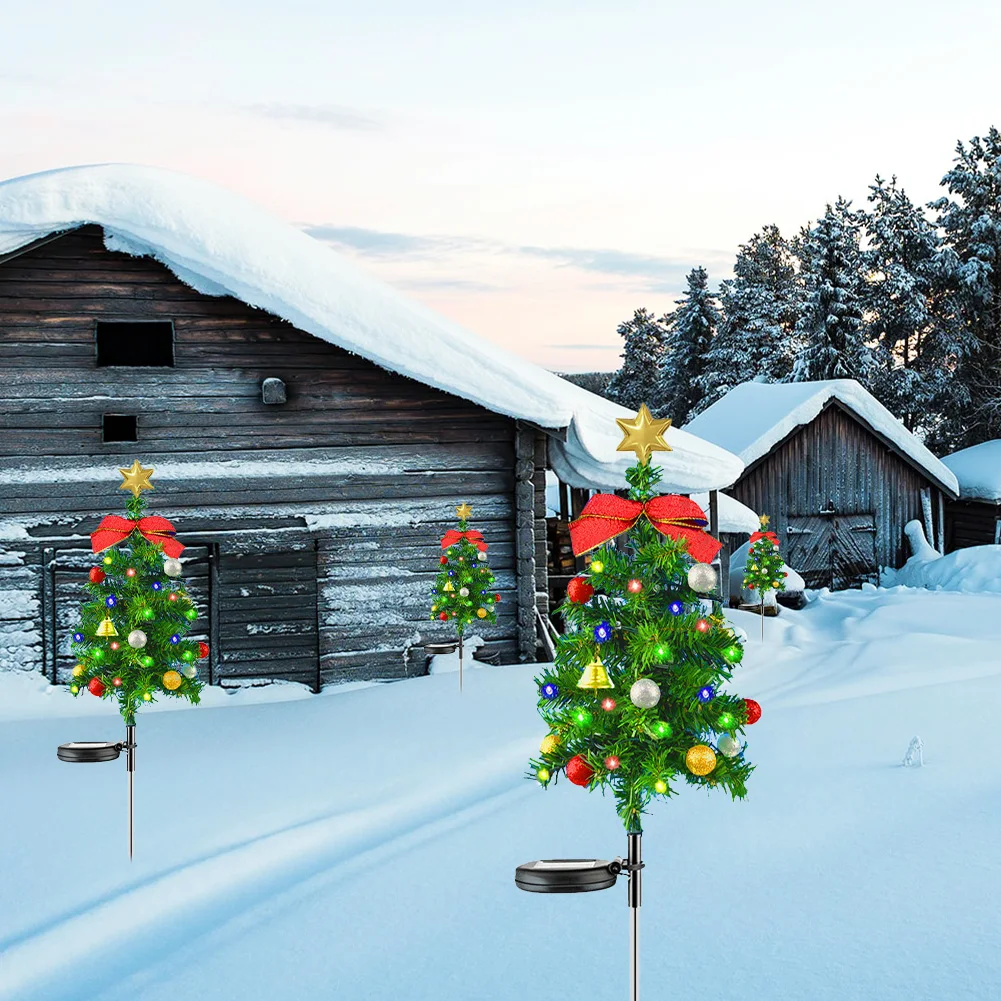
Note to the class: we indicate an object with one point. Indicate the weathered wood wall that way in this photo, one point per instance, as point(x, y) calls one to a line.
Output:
point(837, 458)
point(970, 523)
point(333, 500)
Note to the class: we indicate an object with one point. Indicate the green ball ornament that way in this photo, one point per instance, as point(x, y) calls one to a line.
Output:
point(188, 655)
point(662, 729)
point(192, 614)
point(147, 661)
point(734, 653)
point(97, 653)
point(148, 613)
point(582, 718)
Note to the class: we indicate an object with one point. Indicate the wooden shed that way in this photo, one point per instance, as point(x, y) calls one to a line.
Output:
point(311, 431)
point(974, 518)
point(838, 475)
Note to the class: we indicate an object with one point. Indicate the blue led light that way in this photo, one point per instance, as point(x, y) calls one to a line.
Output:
point(676, 607)
point(549, 691)
point(602, 632)
point(706, 694)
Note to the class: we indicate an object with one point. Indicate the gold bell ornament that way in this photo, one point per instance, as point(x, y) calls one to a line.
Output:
point(106, 628)
point(595, 676)
point(448, 586)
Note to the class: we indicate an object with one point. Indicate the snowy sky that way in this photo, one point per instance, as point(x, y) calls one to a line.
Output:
point(534, 170)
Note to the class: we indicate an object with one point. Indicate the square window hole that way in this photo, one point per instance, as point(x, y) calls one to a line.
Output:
point(135, 342)
point(120, 427)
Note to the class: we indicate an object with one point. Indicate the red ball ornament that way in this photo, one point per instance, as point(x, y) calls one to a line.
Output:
point(496, 597)
point(95, 686)
point(443, 560)
point(96, 575)
point(579, 590)
point(634, 586)
point(753, 711)
point(612, 762)
point(702, 625)
point(130, 572)
point(117, 682)
point(579, 772)
point(608, 705)
point(443, 616)
point(203, 650)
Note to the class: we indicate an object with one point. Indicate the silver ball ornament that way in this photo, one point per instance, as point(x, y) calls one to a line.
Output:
point(463, 592)
point(702, 578)
point(172, 568)
point(137, 639)
point(728, 746)
point(644, 693)
point(189, 670)
point(482, 557)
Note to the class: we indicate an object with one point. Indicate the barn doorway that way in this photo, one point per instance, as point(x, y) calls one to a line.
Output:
point(833, 549)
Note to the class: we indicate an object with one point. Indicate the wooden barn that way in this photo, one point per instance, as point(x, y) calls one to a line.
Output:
point(310, 428)
point(974, 518)
point(838, 475)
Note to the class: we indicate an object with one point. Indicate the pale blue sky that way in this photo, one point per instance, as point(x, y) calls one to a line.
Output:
point(534, 170)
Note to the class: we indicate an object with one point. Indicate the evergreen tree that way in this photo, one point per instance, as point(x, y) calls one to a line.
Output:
point(636, 381)
point(635, 699)
point(690, 332)
point(971, 220)
point(760, 306)
point(131, 644)
point(908, 313)
point(831, 326)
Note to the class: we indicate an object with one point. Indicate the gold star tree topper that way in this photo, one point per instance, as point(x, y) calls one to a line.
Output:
point(764, 519)
point(463, 511)
point(643, 434)
point(136, 478)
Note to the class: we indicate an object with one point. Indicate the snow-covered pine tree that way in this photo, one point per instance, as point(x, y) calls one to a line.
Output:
point(971, 219)
point(690, 332)
point(636, 381)
point(831, 325)
point(909, 319)
point(760, 306)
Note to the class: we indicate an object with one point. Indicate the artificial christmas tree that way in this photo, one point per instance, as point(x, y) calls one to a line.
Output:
point(634, 701)
point(131, 644)
point(763, 572)
point(463, 591)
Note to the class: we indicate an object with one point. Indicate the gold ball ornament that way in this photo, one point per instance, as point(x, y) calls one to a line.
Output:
point(549, 743)
point(147, 697)
point(542, 774)
point(700, 759)
point(172, 681)
point(481, 613)
point(78, 670)
point(660, 786)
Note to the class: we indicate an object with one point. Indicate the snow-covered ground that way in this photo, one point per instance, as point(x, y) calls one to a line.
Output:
point(976, 569)
point(361, 844)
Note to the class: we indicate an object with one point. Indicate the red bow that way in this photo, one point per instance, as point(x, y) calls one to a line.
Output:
point(115, 529)
point(608, 515)
point(452, 537)
point(770, 536)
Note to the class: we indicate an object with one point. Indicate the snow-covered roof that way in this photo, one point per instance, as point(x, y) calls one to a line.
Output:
point(221, 244)
point(978, 470)
point(755, 416)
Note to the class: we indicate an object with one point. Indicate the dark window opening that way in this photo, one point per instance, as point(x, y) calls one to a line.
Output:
point(120, 427)
point(135, 342)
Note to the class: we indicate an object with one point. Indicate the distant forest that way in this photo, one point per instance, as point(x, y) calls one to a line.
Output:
point(904, 298)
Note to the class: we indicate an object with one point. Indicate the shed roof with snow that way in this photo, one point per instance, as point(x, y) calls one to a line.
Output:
point(978, 471)
point(755, 417)
point(221, 244)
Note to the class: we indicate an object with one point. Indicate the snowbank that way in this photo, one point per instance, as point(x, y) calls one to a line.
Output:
point(755, 416)
point(976, 569)
point(978, 470)
point(222, 244)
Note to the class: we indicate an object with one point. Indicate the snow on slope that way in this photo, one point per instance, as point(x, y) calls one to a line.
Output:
point(978, 470)
point(362, 845)
point(755, 416)
point(222, 244)
point(976, 569)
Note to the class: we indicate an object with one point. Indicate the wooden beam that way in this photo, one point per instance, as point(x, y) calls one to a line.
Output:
point(524, 535)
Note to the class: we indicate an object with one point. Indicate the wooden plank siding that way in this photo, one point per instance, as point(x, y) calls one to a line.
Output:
point(970, 523)
point(351, 484)
point(836, 457)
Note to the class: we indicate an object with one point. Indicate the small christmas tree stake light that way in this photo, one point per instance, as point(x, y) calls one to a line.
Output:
point(463, 587)
point(635, 700)
point(763, 571)
point(125, 663)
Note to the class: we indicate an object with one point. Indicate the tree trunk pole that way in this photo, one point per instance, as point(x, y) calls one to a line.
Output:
point(460, 662)
point(130, 763)
point(635, 891)
point(762, 616)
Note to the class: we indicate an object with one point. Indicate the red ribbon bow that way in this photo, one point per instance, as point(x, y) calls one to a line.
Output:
point(452, 536)
point(607, 515)
point(770, 536)
point(115, 529)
